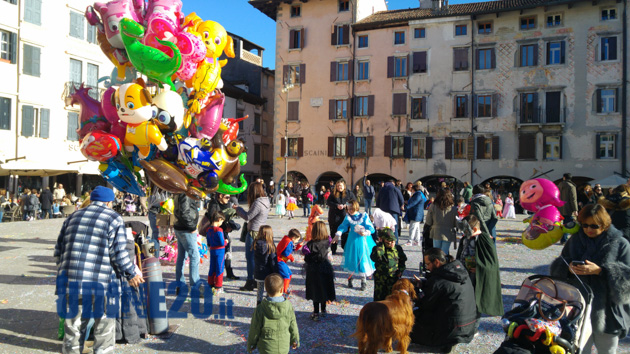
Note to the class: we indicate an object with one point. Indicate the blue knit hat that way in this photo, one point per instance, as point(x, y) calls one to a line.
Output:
point(102, 194)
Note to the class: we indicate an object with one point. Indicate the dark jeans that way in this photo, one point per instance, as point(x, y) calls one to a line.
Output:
point(307, 209)
point(249, 255)
point(397, 231)
point(46, 213)
point(368, 205)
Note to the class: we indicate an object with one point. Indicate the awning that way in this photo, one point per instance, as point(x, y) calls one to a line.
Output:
point(26, 167)
point(611, 181)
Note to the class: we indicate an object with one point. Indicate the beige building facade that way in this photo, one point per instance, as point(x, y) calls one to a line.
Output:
point(469, 92)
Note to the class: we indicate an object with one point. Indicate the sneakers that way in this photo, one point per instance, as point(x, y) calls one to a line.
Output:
point(217, 291)
point(315, 317)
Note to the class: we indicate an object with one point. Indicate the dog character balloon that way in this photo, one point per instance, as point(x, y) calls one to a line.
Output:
point(538, 192)
point(109, 22)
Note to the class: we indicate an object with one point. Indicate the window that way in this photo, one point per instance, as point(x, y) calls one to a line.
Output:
point(606, 146)
point(399, 104)
point(257, 123)
point(460, 59)
point(33, 11)
point(341, 35)
point(91, 34)
point(419, 33)
point(461, 30)
point(344, 5)
point(419, 108)
point(609, 14)
point(399, 37)
point(419, 62)
point(362, 105)
point(608, 48)
point(5, 113)
point(294, 111)
point(553, 147)
point(484, 148)
point(418, 148)
point(400, 66)
point(554, 20)
point(340, 146)
point(265, 81)
point(553, 110)
point(529, 107)
point(295, 11)
point(364, 70)
point(31, 60)
point(294, 74)
point(264, 127)
point(76, 75)
point(528, 23)
point(485, 28)
point(92, 80)
point(461, 106)
point(527, 146)
point(293, 147)
point(342, 71)
point(398, 146)
point(341, 109)
point(363, 41)
point(485, 59)
point(257, 153)
point(555, 53)
point(360, 146)
point(14, 2)
point(296, 39)
point(44, 123)
point(529, 55)
point(8, 46)
point(607, 100)
point(76, 25)
point(484, 105)
point(241, 124)
point(459, 148)
point(73, 125)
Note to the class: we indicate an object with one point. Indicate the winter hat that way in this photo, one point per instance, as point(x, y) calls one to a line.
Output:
point(386, 234)
point(102, 194)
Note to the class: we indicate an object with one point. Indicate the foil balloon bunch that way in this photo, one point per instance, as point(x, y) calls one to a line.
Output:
point(163, 109)
point(542, 197)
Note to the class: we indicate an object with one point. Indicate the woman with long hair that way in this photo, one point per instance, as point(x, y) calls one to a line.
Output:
point(256, 217)
point(336, 202)
point(442, 218)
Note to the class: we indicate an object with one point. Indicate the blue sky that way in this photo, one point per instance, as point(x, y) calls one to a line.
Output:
point(238, 17)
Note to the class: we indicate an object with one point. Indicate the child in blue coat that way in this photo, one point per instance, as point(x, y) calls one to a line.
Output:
point(285, 253)
point(216, 246)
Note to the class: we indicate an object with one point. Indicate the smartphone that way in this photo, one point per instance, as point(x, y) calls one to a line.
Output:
point(577, 263)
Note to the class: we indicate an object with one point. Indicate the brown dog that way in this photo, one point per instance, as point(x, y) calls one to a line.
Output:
point(382, 322)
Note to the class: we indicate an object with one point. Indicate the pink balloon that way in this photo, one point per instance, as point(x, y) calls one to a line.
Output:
point(208, 121)
point(91, 115)
point(118, 127)
point(171, 8)
point(538, 192)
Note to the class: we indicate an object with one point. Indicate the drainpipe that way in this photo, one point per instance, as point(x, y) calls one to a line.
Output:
point(472, 94)
point(17, 97)
point(351, 108)
point(624, 93)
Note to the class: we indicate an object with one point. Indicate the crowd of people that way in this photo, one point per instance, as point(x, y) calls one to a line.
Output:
point(456, 288)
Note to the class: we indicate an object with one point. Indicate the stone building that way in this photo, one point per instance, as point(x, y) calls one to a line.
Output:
point(501, 90)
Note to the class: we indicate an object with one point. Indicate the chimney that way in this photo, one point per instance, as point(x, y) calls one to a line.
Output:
point(426, 4)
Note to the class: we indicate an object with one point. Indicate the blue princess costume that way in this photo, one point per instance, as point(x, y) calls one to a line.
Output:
point(358, 248)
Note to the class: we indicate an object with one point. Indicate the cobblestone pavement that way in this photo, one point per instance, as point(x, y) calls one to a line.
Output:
point(28, 320)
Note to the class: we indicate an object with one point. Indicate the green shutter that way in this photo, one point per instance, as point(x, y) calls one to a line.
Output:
point(73, 123)
point(28, 54)
point(28, 120)
point(44, 123)
point(36, 60)
point(5, 113)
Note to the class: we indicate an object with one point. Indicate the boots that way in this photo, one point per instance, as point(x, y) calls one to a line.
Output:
point(229, 270)
point(350, 283)
point(363, 284)
point(250, 285)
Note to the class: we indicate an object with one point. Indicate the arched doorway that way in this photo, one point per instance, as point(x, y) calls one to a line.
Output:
point(293, 176)
point(376, 179)
point(503, 185)
point(434, 182)
point(325, 178)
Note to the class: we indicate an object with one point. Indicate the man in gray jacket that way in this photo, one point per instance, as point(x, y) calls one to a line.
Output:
point(568, 194)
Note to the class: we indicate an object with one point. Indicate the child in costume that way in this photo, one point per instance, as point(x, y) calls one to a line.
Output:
point(291, 205)
point(280, 210)
point(466, 252)
point(316, 211)
point(216, 244)
point(285, 253)
point(320, 276)
point(389, 259)
point(264, 258)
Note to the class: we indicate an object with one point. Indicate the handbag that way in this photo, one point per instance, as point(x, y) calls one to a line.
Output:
point(243, 237)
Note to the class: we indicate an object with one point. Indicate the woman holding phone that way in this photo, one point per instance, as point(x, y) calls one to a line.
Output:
point(600, 256)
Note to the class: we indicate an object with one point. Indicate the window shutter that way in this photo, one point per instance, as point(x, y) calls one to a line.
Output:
point(560, 146)
point(527, 146)
point(28, 120)
point(333, 36)
point(291, 39)
point(13, 47)
point(477, 61)
point(283, 147)
point(390, 67)
point(548, 53)
point(617, 99)
point(423, 102)
point(495, 104)
point(388, 146)
point(493, 59)
point(44, 123)
point(617, 143)
point(598, 101)
point(399, 103)
point(346, 34)
point(73, 124)
point(597, 144)
point(300, 147)
point(612, 48)
point(302, 73)
point(370, 146)
point(470, 148)
point(536, 110)
point(371, 105)
point(332, 109)
point(331, 146)
point(448, 148)
point(466, 106)
point(333, 71)
point(351, 70)
point(495, 147)
point(535, 54)
point(455, 59)
point(455, 106)
point(285, 74)
point(350, 144)
point(302, 38)
point(5, 113)
point(407, 147)
point(475, 106)
point(36, 11)
point(428, 147)
point(27, 60)
point(36, 52)
point(481, 147)
point(562, 51)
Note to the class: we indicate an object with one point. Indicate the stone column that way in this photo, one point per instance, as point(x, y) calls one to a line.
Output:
point(45, 182)
point(79, 184)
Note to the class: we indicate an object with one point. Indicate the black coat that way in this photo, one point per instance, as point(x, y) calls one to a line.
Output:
point(186, 213)
point(264, 261)
point(619, 209)
point(46, 199)
point(336, 216)
point(447, 312)
point(320, 277)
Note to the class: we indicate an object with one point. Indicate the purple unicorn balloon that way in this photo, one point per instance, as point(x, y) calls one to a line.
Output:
point(91, 115)
point(119, 128)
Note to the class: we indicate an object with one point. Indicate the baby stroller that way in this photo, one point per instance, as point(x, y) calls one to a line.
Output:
point(130, 205)
point(550, 316)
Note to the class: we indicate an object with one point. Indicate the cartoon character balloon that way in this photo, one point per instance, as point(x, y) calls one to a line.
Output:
point(545, 228)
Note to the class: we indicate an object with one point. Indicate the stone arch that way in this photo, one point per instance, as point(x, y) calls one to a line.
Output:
point(504, 185)
point(325, 178)
point(293, 176)
point(433, 183)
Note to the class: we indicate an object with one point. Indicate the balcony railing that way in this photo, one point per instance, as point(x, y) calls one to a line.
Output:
point(71, 87)
point(541, 115)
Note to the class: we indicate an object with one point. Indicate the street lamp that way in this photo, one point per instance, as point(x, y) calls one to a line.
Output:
point(285, 89)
